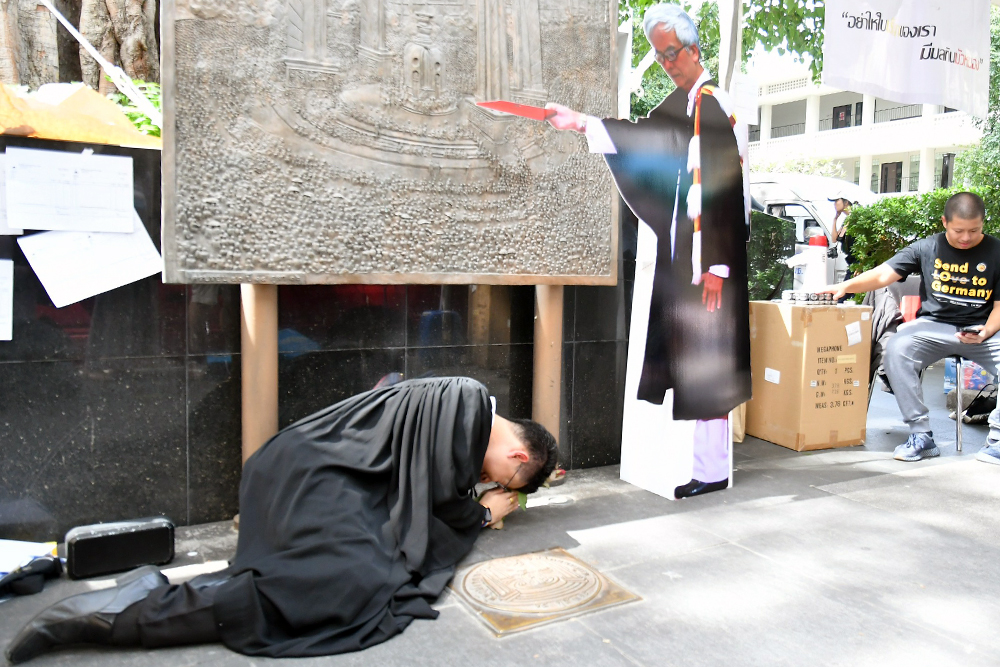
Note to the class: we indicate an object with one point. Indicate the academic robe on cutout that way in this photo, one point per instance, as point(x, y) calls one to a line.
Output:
point(352, 520)
point(704, 357)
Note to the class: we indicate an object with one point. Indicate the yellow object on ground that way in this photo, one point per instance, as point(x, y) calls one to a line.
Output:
point(84, 116)
point(740, 422)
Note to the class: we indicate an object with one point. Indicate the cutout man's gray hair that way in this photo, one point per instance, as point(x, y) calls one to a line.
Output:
point(671, 17)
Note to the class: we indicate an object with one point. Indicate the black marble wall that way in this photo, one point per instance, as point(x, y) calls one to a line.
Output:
point(128, 404)
point(595, 331)
point(123, 405)
point(337, 341)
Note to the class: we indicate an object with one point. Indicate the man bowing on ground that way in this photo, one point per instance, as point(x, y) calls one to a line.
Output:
point(351, 523)
point(680, 171)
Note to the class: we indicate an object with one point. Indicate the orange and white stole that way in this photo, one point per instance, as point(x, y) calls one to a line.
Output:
point(695, 194)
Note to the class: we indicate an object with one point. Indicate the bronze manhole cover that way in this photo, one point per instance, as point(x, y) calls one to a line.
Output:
point(519, 592)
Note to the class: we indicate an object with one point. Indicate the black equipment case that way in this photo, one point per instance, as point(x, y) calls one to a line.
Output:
point(104, 548)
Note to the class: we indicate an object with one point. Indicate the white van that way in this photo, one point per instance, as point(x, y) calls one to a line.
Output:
point(809, 201)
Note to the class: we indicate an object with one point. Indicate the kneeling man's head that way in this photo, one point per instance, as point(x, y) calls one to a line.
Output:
point(520, 456)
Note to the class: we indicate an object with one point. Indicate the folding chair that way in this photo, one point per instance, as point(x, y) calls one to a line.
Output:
point(959, 388)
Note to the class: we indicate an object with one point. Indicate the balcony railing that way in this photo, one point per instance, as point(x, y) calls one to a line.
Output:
point(788, 130)
point(883, 116)
point(899, 113)
point(907, 184)
point(949, 129)
point(827, 124)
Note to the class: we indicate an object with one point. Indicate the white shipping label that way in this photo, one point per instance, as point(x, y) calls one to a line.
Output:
point(865, 316)
point(6, 299)
point(772, 375)
point(854, 333)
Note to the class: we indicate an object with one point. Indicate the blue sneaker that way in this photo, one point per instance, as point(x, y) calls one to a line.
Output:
point(917, 446)
point(990, 453)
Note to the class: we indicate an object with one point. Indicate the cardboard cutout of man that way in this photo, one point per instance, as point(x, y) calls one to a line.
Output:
point(680, 170)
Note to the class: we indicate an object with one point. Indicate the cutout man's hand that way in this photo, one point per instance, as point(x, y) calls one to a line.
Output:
point(711, 294)
point(564, 118)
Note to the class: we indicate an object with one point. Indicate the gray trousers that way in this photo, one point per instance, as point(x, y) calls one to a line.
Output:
point(918, 344)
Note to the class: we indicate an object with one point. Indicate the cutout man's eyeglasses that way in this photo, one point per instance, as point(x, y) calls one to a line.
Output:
point(670, 55)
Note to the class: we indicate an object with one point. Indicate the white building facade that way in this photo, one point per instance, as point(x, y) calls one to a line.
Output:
point(886, 146)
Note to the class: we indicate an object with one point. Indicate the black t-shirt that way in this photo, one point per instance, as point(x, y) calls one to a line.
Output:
point(957, 286)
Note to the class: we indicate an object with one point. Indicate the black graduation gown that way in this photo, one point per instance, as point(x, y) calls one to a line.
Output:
point(352, 520)
point(704, 357)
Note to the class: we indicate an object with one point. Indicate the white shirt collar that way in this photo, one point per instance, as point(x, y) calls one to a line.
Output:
point(493, 406)
point(705, 76)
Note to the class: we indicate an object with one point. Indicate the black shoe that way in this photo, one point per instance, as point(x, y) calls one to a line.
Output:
point(696, 488)
point(83, 619)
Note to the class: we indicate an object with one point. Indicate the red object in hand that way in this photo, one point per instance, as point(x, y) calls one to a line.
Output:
point(523, 110)
point(819, 240)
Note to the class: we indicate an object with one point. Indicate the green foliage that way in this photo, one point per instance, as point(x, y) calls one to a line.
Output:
point(792, 26)
point(772, 240)
point(980, 166)
point(815, 166)
point(656, 85)
point(889, 225)
point(141, 121)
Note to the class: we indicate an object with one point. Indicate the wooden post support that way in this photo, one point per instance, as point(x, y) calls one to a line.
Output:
point(259, 347)
point(547, 385)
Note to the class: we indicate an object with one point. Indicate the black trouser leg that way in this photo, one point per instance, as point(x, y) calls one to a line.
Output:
point(172, 615)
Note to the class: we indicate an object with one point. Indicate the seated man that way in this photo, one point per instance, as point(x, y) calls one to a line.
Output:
point(960, 270)
point(351, 523)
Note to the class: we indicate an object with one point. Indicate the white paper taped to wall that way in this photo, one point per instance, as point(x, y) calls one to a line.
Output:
point(6, 299)
point(56, 190)
point(5, 230)
point(73, 266)
point(854, 333)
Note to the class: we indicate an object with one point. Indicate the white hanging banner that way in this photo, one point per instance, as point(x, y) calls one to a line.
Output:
point(910, 51)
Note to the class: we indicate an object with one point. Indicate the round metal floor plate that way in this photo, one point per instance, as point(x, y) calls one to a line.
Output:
point(519, 592)
point(532, 584)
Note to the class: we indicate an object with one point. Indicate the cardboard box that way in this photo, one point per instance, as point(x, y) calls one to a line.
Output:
point(810, 374)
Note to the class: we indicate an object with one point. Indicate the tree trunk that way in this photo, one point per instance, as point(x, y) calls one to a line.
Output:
point(133, 21)
point(11, 43)
point(124, 31)
point(29, 54)
point(69, 49)
point(96, 28)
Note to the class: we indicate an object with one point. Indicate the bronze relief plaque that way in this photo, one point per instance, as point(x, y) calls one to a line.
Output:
point(338, 141)
point(521, 592)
